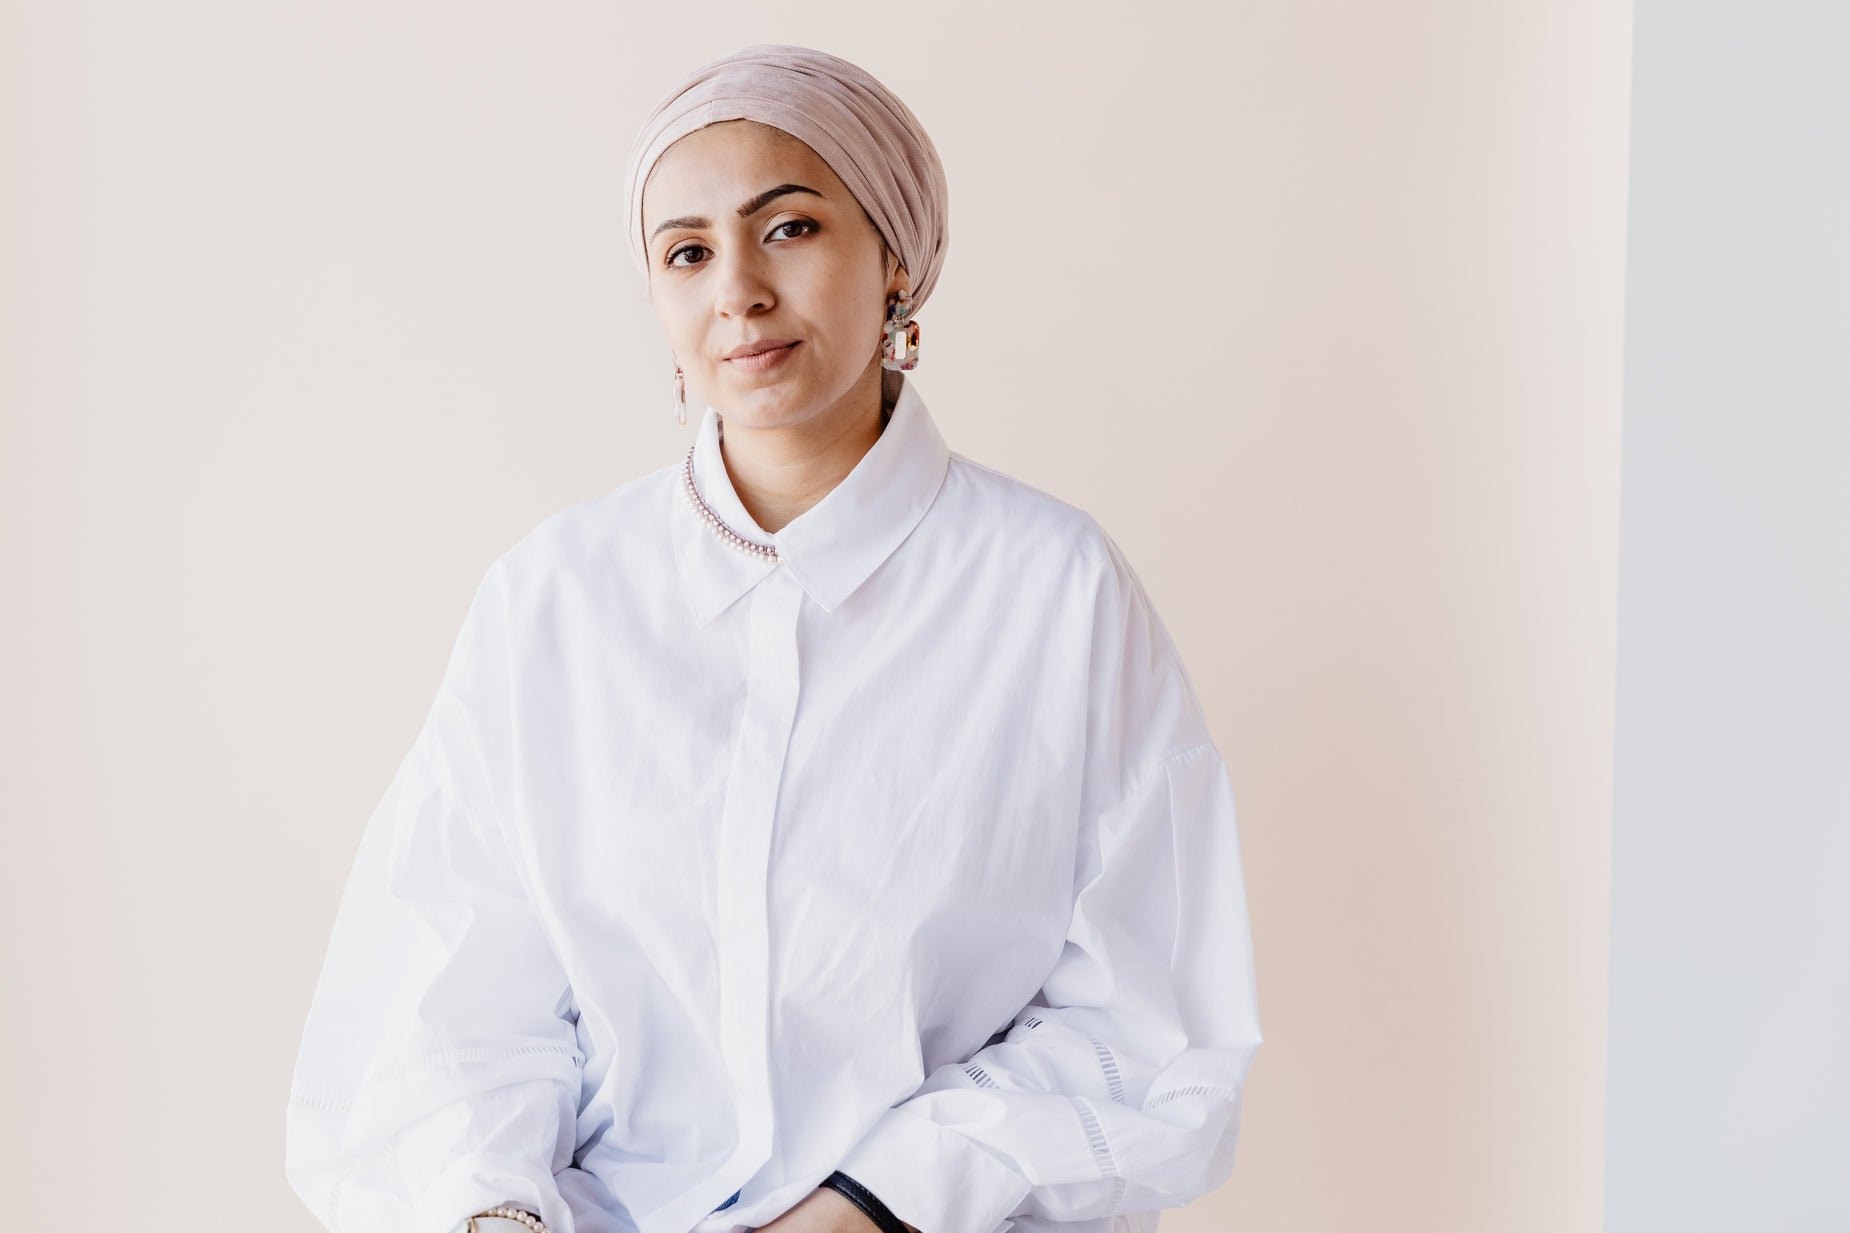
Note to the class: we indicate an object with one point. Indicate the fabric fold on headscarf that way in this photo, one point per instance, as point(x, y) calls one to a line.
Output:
point(856, 125)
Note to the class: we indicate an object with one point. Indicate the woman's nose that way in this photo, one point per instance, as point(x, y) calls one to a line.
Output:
point(742, 288)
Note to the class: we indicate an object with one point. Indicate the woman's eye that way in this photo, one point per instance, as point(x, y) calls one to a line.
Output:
point(674, 258)
point(803, 225)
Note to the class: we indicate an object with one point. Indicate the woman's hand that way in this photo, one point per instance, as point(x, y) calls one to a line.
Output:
point(823, 1211)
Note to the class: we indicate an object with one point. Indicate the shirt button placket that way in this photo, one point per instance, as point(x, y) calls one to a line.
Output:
point(745, 859)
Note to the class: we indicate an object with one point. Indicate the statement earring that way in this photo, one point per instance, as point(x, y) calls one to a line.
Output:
point(680, 396)
point(902, 334)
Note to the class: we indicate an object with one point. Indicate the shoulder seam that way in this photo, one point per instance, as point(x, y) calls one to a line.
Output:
point(1161, 767)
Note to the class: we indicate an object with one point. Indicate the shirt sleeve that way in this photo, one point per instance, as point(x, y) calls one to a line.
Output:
point(438, 1073)
point(1118, 1089)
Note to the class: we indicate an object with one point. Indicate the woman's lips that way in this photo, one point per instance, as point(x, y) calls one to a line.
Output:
point(764, 361)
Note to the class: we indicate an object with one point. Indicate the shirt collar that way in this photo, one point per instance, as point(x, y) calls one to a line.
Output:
point(832, 547)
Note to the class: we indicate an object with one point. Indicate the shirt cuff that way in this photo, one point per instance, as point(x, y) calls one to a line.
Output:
point(933, 1178)
point(479, 1183)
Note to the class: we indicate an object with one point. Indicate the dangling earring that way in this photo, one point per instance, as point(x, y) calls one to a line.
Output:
point(680, 396)
point(902, 334)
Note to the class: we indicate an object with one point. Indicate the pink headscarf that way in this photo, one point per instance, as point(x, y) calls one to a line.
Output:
point(857, 126)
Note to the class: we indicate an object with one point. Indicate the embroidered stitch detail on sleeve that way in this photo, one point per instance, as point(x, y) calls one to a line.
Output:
point(1101, 1150)
point(1114, 1083)
point(1209, 1090)
point(980, 1075)
point(325, 1104)
point(1095, 1136)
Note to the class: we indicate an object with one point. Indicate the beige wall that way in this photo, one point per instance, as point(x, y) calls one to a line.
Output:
point(311, 309)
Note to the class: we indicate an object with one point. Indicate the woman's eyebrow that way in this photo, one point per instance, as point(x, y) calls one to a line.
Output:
point(696, 222)
point(769, 195)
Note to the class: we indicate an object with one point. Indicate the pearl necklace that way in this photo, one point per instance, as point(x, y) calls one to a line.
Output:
point(510, 1213)
point(714, 521)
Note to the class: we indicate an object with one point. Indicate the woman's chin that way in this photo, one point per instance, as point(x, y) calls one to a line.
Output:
point(771, 404)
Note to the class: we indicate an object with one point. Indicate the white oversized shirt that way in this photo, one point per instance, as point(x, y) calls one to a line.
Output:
point(907, 854)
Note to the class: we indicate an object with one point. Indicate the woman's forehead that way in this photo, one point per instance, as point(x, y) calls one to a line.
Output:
point(727, 158)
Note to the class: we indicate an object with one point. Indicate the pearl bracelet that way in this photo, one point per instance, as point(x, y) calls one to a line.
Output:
point(510, 1213)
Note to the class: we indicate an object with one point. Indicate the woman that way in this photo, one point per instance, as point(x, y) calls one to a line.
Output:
point(819, 834)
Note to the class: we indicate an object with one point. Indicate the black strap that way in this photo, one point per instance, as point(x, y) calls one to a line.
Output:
point(864, 1199)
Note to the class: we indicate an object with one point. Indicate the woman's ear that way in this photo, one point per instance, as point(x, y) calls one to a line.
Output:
point(897, 279)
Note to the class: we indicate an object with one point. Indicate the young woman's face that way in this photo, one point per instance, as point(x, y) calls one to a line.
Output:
point(767, 276)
